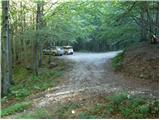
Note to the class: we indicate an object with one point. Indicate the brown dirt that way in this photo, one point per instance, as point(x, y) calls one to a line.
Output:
point(142, 61)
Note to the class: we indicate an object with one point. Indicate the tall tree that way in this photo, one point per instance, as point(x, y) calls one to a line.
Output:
point(40, 25)
point(6, 49)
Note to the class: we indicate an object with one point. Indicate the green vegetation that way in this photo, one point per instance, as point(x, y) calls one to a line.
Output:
point(31, 84)
point(119, 105)
point(40, 113)
point(62, 112)
point(26, 83)
point(117, 61)
point(86, 25)
point(65, 110)
point(18, 107)
point(30, 26)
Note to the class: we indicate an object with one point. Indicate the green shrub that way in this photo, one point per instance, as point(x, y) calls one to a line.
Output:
point(35, 78)
point(18, 107)
point(21, 93)
point(118, 98)
point(125, 111)
point(144, 109)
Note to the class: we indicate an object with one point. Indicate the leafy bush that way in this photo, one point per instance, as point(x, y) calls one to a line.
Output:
point(117, 98)
point(18, 107)
point(21, 93)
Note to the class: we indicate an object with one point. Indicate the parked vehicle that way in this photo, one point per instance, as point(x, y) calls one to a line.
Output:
point(56, 50)
point(68, 50)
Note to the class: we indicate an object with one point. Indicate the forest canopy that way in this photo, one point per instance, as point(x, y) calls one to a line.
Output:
point(81, 22)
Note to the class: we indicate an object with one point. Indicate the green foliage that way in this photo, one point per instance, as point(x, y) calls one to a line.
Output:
point(117, 99)
point(30, 84)
point(115, 106)
point(120, 106)
point(117, 61)
point(66, 109)
point(20, 93)
point(84, 115)
point(18, 107)
point(130, 107)
point(39, 113)
point(20, 74)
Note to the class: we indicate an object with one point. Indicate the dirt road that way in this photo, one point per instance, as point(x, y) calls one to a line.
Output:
point(92, 74)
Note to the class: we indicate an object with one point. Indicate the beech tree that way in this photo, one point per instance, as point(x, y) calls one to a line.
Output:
point(6, 49)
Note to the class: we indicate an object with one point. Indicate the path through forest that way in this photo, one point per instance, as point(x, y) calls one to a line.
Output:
point(92, 74)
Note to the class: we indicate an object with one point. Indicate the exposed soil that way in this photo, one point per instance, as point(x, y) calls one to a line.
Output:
point(90, 75)
point(142, 61)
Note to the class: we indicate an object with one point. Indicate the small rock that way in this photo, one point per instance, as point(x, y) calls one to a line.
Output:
point(52, 65)
point(141, 75)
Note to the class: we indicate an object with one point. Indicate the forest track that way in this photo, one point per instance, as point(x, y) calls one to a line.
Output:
point(91, 75)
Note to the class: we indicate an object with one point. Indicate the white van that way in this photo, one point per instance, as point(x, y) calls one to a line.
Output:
point(68, 50)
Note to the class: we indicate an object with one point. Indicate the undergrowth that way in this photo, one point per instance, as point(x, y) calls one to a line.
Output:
point(18, 107)
point(66, 110)
point(39, 113)
point(26, 83)
point(122, 106)
point(115, 106)
point(118, 61)
point(33, 84)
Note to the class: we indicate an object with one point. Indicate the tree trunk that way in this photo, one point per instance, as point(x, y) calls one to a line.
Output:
point(37, 40)
point(6, 50)
point(39, 27)
point(143, 26)
point(157, 19)
point(23, 25)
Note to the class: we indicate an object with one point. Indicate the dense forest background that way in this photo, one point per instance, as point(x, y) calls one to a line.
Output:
point(29, 26)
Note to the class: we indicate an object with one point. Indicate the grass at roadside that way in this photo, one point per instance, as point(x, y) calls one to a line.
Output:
point(120, 106)
point(39, 113)
point(18, 107)
point(115, 106)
